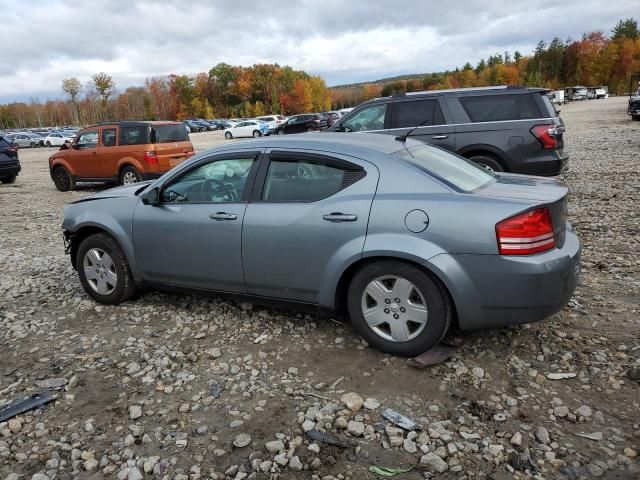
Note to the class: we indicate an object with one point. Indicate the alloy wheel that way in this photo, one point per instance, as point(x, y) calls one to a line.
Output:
point(100, 271)
point(394, 308)
point(129, 177)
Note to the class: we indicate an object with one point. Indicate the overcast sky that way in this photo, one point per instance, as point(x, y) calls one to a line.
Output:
point(44, 41)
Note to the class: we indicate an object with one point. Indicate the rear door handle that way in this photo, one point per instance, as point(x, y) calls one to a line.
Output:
point(440, 137)
point(223, 216)
point(338, 217)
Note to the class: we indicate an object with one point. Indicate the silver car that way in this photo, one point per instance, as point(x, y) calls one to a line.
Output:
point(404, 238)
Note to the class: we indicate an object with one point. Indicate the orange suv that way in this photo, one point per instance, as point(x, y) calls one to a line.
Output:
point(122, 152)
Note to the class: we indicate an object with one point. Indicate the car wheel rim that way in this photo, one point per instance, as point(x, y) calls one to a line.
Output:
point(256, 134)
point(129, 178)
point(100, 271)
point(487, 167)
point(394, 308)
point(281, 132)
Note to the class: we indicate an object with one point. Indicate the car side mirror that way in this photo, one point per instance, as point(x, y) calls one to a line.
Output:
point(151, 197)
point(75, 146)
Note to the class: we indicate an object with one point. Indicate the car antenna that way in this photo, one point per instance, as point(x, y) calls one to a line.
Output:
point(403, 138)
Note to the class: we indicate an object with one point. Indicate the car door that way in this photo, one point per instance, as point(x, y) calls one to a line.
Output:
point(309, 214)
point(83, 155)
point(193, 237)
point(290, 126)
point(108, 152)
point(425, 119)
point(240, 129)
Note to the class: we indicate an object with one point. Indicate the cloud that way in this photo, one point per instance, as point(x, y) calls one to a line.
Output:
point(46, 41)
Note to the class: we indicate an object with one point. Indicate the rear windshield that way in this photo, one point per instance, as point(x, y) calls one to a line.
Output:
point(169, 133)
point(457, 172)
point(496, 108)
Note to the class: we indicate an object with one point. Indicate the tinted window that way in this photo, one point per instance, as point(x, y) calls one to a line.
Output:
point(369, 118)
point(291, 180)
point(134, 135)
point(169, 133)
point(108, 137)
point(551, 110)
point(5, 143)
point(88, 139)
point(416, 112)
point(217, 181)
point(453, 170)
point(495, 108)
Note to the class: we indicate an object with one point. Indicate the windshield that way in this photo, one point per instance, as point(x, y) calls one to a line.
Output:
point(168, 133)
point(457, 172)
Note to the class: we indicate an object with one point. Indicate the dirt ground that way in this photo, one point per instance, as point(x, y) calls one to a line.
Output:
point(142, 381)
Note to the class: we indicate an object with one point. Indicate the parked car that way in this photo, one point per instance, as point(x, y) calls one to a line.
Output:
point(9, 162)
point(194, 126)
point(57, 139)
point(206, 125)
point(247, 128)
point(345, 111)
point(25, 140)
point(404, 238)
point(272, 120)
point(307, 122)
point(120, 152)
point(511, 129)
point(576, 93)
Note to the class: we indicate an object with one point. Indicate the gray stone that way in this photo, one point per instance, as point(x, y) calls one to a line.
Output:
point(353, 401)
point(435, 462)
point(274, 446)
point(135, 412)
point(542, 434)
point(295, 463)
point(355, 428)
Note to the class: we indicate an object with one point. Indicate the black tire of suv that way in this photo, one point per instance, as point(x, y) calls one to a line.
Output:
point(132, 170)
point(487, 162)
point(126, 288)
point(8, 180)
point(63, 179)
point(439, 319)
point(309, 129)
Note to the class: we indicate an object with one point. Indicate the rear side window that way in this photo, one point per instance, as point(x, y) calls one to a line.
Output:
point(451, 169)
point(169, 133)
point(551, 110)
point(291, 180)
point(496, 108)
point(134, 135)
point(108, 137)
point(416, 112)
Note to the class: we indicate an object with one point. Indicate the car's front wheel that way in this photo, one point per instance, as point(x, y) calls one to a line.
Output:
point(398, 308)
point(103, 270)
point(48, 144)
point(129, 175)
point(228, 135)
point(10, 179)
point(63, 179)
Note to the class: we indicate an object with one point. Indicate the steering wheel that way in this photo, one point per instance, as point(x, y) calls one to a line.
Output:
point(213, 184)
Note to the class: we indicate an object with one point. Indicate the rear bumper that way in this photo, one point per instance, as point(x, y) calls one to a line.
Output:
point(552, 164)
point(495, 291)
point(9, 170)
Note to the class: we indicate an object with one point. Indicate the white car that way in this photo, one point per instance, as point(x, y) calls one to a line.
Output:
point(57, 139)
point(247, 128)
point(272, 120)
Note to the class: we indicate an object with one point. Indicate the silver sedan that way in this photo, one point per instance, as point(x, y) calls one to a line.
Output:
point(403, 238)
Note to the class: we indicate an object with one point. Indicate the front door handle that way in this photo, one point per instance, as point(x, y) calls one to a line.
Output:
point(223, 216)
point(440, 137)
point(338, 217)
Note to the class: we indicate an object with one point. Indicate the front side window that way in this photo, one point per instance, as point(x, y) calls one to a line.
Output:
point(219, 181)
point(291, 180)
point(369, 118)
point(108, 137)
point(134, 135)
point(455, 171)
point(415, 113)
point(88, 139)
point(496, 108)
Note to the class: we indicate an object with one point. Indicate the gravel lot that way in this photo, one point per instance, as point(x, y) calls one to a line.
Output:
point(163, 386)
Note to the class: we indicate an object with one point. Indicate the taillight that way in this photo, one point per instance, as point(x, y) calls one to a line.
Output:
point(548, 135)
point(151, 157)
point(526, 233)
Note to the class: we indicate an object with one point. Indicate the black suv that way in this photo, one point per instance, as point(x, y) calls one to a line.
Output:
point(513, 128)
point(306, 122)
point(9, 163)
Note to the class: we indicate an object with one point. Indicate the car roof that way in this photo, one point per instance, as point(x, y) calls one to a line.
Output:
point(134, 123)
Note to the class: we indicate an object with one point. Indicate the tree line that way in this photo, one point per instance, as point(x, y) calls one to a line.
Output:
point(224, 91)
point(594, 60)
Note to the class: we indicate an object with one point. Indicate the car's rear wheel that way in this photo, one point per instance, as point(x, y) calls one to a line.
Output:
point(280, 132)
point(129, 175)
point(256, 134)
point(63, 179)
point(228, 135)
point(10, 179)
point(487, 162)
point(309, 129)
point(48, 143)
point(103, 270)
point(398, 308)
point(33, 145)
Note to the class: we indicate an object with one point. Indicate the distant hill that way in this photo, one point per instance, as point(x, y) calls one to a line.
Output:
point(408, 76)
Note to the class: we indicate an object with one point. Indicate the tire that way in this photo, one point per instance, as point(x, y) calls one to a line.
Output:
point(635, 118)
point(310, 129)
point(228, 135)
point(487, 162)
point(103, 270)
point(63, 179)
point(8, 180)
point(257, 134)
point(417, 337)
point(48, 143)
point(280, 132)
point(129, 176)
point(33, 145)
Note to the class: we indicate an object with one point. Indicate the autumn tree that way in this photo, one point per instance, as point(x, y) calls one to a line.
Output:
point(104, 85)
point(72, 86)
